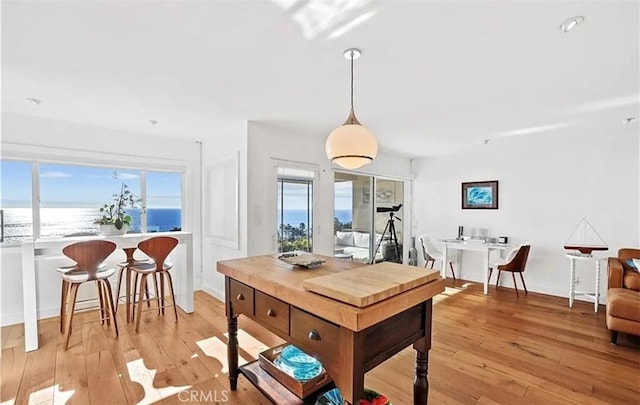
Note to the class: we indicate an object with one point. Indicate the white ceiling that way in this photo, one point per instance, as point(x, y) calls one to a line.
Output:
point(434, 75)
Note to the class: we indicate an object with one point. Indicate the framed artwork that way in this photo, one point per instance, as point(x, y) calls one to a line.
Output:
point(480, 195)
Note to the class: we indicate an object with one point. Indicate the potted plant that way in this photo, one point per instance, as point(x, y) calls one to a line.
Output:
point(113, 218)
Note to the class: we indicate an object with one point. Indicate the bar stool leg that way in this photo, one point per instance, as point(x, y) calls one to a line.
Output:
point(101, 299)
point(143, 290)
point(155, 286)
point(63, 304)
point(109, 297)
point(118, 285)
point(162, 282)
point(133, 295)
point(173, 297)
point(72, 307)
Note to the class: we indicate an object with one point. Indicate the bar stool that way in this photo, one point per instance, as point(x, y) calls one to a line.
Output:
point(65, 292)
point(157, 248)
point(125, 268)
point(88, 256)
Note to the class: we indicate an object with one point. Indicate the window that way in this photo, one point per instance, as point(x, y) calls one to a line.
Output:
point(69, 198)
point(295, 210)
point(16, 216)
point(164, 202)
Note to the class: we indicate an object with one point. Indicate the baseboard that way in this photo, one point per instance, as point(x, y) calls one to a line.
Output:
point(214, 292)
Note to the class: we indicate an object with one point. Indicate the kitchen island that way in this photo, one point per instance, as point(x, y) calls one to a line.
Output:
point(347, 339)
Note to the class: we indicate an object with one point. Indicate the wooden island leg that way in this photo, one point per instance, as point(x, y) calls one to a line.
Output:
point(232, 351)
point(422, 347)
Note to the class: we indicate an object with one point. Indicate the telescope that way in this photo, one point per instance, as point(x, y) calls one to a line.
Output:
point(394, 208)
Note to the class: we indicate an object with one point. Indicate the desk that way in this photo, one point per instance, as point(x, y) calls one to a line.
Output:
point(39, 249)
point(595, 296)
point(349, 341)
point(477, 246)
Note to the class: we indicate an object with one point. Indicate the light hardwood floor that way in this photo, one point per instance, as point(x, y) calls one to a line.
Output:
point(493, 349)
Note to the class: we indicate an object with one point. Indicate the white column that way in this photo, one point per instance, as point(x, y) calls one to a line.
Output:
point(29, 297)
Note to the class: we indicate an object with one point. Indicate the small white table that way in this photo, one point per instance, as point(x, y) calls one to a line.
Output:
point(477, 246)
point(595, 296)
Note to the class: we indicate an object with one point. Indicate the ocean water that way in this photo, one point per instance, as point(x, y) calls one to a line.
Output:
point(64, 221)
point(295, 217)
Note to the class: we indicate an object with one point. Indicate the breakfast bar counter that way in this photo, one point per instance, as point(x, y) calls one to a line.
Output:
point(348, 339)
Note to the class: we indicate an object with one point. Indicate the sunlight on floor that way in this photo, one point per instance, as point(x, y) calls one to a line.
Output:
point(249, 344)
point(216, 348)
point(49, 395)
point(450, 292)
point(140, 374)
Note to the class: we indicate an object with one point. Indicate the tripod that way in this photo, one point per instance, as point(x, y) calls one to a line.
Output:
point(392, 237)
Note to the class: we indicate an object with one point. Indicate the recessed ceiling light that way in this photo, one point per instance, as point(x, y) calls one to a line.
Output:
point(570, 23)
point(34, 101)
point(153, 122)
point(629, 120)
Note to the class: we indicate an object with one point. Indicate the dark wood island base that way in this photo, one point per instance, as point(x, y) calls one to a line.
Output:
point(349, 341)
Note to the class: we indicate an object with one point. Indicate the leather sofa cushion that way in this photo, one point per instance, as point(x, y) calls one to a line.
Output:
point(631, 280)
point(624, 303)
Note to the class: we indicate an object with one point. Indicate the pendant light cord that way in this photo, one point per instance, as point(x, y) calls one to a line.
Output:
point(352, 80)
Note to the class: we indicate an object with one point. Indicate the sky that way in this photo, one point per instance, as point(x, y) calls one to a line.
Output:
point(295, 196)
point(83, 187)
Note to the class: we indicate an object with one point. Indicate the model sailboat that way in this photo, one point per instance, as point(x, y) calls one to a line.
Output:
point(585, 239)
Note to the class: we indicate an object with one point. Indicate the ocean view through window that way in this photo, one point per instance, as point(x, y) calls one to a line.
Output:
point(70, 197)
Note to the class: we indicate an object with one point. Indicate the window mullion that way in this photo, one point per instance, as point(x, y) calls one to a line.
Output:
point(143, 198)
point(35, 199)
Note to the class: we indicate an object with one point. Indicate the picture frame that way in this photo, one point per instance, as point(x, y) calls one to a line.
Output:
point(480, 195)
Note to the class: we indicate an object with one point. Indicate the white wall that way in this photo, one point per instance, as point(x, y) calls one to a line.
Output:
point(548, 182)
point(37, 138)
point(231, 139)
point(267, 142)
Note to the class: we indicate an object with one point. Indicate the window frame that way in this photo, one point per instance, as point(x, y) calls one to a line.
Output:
point(37, 156)
point(289, 164)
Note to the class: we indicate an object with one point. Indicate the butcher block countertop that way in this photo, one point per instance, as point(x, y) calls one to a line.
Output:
point(370, 284)
point(374, 299)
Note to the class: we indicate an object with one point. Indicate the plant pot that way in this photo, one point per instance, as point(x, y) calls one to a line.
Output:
point(110, 229)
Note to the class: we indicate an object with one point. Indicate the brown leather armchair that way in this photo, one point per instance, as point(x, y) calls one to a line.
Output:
point(623, 295)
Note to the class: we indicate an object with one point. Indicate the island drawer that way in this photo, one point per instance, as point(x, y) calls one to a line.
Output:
point(314, 334)
point(241, 298)
point(272, 311)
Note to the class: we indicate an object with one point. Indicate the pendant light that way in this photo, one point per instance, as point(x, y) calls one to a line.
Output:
point(351, 145)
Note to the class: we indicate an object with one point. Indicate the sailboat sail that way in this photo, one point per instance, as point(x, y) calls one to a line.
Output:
point(585, 238)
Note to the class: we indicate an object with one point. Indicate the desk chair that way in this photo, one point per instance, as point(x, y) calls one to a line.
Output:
point(515, 262)
point(88, 256)
point(431, 253)
point(157, 248)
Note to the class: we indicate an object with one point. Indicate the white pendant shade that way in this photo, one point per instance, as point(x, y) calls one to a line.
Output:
point(351, 146)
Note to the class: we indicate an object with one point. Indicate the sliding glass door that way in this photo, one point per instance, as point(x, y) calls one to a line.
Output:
point(295, 214)
point(367, 218)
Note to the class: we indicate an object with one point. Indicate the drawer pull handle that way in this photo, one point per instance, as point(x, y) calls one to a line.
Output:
point(271, 313)
point(314, 335)
point(240, 297)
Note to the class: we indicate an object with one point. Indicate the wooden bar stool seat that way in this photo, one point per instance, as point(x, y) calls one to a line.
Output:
point(89, 257)
point(158, 249)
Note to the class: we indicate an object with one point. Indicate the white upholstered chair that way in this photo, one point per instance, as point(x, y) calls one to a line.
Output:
point(431, 253)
